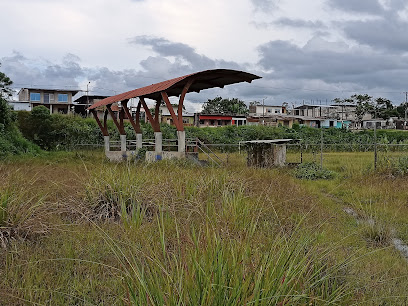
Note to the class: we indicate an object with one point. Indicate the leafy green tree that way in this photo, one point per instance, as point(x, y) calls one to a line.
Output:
point(219, 105)
point(383, 108)
point(364, 105)
point(11, 140)
point(402, 109)
point(5, 83)
point(40, 127)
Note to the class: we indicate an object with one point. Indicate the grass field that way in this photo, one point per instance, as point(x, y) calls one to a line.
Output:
point(76, 229)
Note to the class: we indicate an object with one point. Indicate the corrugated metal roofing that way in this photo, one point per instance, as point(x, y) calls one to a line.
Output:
point(202, 80)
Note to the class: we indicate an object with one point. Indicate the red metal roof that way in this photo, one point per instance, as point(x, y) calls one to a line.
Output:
point(202, 80)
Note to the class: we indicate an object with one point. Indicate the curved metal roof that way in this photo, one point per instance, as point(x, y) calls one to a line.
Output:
point(174, 87)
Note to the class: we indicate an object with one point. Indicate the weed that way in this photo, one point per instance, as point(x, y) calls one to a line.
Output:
point(312, 171)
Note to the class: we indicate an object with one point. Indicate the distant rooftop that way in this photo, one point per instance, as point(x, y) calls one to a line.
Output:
point(74, 91)
point(314, 105)
point(84, 98)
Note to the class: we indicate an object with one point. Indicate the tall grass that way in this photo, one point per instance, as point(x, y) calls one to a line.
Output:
point(23, 214)
point(209, 252)
point(173, 233)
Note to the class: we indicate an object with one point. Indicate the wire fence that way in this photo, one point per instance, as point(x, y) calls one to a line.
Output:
point(370, 154)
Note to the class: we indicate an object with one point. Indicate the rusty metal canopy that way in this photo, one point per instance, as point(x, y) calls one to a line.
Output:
point(174, 87)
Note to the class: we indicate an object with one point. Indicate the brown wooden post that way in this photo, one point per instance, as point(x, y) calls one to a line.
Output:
point(171, 110)
point(155, 124)
point(120, 127)
point(104, 128)
point(135, 125)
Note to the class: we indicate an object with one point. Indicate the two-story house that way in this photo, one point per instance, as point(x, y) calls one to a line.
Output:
point(56, 100)
point(266, 110)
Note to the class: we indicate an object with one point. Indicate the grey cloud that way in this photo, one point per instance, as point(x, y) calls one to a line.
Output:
point(264, 5)
point(23, 72)
point(358, 6)
point(357, 68)
point(384, 34)
point(292, 23)
point(186, 58)
point(299, 23)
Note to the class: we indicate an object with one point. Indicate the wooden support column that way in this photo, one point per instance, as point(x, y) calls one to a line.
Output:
point(156, 127)
point(178, 119)
point(173, 115)
point(104, 128)
point(120, 127)
point(153, 121)
point(135, 125)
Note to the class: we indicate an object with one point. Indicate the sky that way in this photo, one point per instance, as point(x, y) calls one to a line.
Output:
point(305, 51)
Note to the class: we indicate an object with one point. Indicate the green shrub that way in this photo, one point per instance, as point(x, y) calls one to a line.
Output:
point(11, 139)
point(312, 171)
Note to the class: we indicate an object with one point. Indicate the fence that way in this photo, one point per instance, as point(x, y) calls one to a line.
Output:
point(326, 154)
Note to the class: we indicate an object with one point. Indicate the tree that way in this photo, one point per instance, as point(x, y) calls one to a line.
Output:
point(384, 109)
point(5, 83)
point(219, 105)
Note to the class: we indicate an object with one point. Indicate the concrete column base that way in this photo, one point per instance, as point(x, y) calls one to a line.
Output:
point(123, 143)
point(158, 140)
point(107, 145)
point(181, 136)
point(139, 141)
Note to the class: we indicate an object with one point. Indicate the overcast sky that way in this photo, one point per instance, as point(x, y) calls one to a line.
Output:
point(304, 50)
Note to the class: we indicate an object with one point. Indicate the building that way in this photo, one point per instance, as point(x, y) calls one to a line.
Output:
point(266, 110)
point(83, 102)
point(165, 116)
point(215, 120)
point(56, 100)
point(316, 111)
point(20, 105)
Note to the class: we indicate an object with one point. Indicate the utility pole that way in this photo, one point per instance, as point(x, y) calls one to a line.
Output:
point(321, 148)
point(375, 137)
point(87, 94)
point(263, 111)
point(406, 109)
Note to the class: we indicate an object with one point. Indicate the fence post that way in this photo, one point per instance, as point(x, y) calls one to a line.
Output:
point(321, 149)
point(375, 146)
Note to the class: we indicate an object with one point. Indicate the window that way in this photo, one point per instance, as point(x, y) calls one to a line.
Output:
point(62, 98)
point(277, 111)
point(35, 96)
point(48, 98)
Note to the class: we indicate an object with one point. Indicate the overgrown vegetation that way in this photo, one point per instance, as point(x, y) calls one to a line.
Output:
point(174, 233)
point(313, 171)
point(11, 139)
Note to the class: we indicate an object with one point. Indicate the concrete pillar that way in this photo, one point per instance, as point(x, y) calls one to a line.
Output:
point(123, 143)
point(181, 136)
point(139, 141)
point(107, 146)
point(51, 109)
point(158, 138)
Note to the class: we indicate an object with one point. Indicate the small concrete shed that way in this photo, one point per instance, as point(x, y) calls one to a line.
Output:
point(267, 153)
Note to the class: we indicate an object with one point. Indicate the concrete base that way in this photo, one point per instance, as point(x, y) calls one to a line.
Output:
point(106, 142)
point(139, 141)
point(158, 141)
point(118, 156)
point(153, 156)
point(266, 156)
point(123, 143)
point(181, 136)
